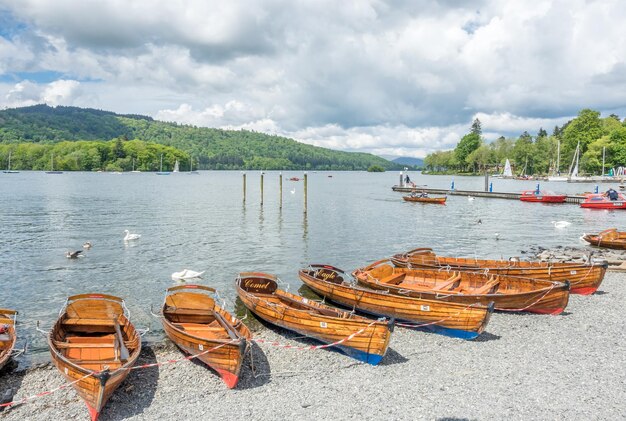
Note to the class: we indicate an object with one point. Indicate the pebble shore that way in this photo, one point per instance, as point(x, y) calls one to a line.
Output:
point(526, 366)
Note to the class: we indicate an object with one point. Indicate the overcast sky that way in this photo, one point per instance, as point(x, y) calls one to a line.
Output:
point(400, 78)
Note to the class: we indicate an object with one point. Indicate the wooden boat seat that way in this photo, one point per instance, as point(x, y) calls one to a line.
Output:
point(65, 345)
point(204, 331)
point(98, 365)
point(393, 279)
point(491, 284)
point(448, 282)
point(188, 311)
point(90, 322)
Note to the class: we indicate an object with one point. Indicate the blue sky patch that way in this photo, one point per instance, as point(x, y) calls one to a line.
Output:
point(9, 26)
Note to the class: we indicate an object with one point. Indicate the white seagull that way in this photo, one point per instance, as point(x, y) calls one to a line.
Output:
point(130, 236)
point(561, 224)
point(87, 245)
point(186, 274)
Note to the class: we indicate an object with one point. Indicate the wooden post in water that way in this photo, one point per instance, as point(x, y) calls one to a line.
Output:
point(305, 190)
point(280, 183)
point(486, 180)
point(244, 187)
point(262, 188)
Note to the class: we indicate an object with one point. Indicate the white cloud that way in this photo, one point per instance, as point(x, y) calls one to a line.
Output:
point(407, 77)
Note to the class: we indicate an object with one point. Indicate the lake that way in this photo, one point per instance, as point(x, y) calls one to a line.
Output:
point(200, 222)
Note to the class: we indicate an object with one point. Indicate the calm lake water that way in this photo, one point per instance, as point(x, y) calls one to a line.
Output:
point(200, 222)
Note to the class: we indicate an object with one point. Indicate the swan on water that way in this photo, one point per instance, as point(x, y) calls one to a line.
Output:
point(130, 236)
point(293, 191)
point(497, 235)
point(561, 224)
point(73, 255)
point(87, 245)
point(186, 274)
point(470, 198)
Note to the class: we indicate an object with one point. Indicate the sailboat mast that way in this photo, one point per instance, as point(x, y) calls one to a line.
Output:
point(9, 168)
point(603, 156)
point(558, 155)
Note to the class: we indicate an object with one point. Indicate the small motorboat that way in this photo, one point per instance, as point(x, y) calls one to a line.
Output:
point(358, 337)
point(7, 334)
point(425, 199)
point(543, 196)
point(601, 201)
point(94, 345)
point(611, 238)
point(294, 179)
point(193, 321)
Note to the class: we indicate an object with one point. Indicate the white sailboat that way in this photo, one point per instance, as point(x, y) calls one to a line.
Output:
point(8, 170)
point(161, 172)
point(176, 166)
point(52, 171)
point(191, 171)
point(556, 175)
point(573, 174)
point(507, 169)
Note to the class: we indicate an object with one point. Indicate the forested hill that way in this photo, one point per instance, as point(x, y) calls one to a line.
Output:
point(209, 148)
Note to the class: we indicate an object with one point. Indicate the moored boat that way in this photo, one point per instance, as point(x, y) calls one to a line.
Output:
point(450, 319)
point(600, 201)
point(543, 196)
point(611, 238)
point(584, 278)
point(94, 345)
point(357, 336)
point(197, 325)
point(8, 335)
point(507, 293)
point(425, 199)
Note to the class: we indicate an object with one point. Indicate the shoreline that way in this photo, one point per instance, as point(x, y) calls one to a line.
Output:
point(524, 366)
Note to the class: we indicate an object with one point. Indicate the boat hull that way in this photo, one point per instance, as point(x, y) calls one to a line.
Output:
point(584, 279)
point(507, 293)
point(193, 335)
point(361, 338)
point(8, 338)
point(435, 200)
point(610, 238)
point(81, 361)
point(450, 319)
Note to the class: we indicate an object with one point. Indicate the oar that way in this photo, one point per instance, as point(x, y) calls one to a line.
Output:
point(124, 354)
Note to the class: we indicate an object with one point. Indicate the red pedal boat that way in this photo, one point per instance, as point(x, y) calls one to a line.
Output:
point(543, 196)
point(600, 201)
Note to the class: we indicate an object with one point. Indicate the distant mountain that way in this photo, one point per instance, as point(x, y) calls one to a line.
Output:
point(405, 160)
point(211, 148)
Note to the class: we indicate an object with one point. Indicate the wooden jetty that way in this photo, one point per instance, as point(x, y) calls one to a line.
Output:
point(477, 193)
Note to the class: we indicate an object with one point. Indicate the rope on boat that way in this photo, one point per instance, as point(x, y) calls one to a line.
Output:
point(94, 373)
point(554, 283)
point(42, 394)
point(314, 347)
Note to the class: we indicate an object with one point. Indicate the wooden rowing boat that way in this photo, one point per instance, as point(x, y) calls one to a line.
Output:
point(611, 238)
point(507, 293)
point(359, 337)
point(584, 278)
point(439, 200)
point(8, 335)
point(197, 325)
point(94, 345)
point(451, 319)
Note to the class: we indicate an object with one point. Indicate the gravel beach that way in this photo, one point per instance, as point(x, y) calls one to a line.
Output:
point(571, 366)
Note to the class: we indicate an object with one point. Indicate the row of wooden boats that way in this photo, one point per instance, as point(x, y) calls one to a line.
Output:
point(94, 344)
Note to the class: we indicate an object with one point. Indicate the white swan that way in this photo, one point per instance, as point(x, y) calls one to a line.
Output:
point(293, 191)
point(87, 245)
point(470, 198)
point(561, 224)
point(130, 236)
point(186, 274)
